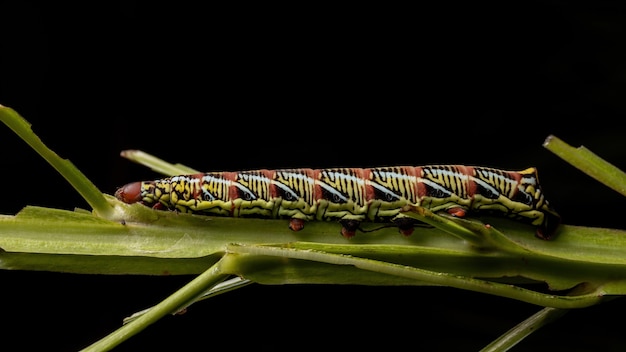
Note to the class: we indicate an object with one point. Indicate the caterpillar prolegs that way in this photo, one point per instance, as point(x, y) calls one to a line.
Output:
point(352, 195)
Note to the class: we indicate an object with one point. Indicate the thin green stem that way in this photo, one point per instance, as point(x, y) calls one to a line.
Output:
point(179, 299)
point(525, 328)
point(156, 164)
point(77, 179)
point(472, 231)
point(589, 163)
point(222, 287)
point(451, 227)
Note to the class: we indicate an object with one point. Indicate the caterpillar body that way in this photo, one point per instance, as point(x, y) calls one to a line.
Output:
point(352, 195)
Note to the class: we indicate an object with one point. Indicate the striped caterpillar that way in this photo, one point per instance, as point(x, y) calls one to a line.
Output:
point(352, 195)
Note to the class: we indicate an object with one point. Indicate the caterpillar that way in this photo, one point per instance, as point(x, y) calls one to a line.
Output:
point(352, 195)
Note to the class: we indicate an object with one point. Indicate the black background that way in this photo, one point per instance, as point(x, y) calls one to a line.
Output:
point(306, 86)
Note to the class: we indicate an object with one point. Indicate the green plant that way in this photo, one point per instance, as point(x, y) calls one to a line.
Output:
point(582, 267)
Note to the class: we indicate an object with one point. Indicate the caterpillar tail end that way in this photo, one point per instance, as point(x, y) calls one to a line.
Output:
point(129, 193)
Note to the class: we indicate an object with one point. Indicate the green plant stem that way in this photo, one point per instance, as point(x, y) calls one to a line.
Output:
point(589, 163)
point(222, 287)
point(435, 278)
point(476, 233)
point(75, 177)
point(171, 304)
point(512, 337)
point(157, 164)
point(122, 238)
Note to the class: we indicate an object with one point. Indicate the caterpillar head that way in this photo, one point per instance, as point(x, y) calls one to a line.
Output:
point(129, 193)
